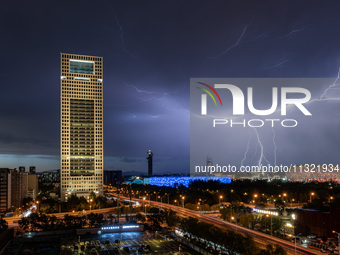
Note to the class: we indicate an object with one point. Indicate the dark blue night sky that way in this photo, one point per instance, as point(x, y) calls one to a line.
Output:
point(151, 49)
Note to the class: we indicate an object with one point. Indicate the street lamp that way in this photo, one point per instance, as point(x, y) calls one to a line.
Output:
point(271, 225)
point(295, 242)
point(144, 206)
point(91, 204)
point(294, 218)
point(255, 196)
point(38, 206)
point(219, 199)
point(183, 201)
point(175, 201)
point(232, 219)
point(310, 196)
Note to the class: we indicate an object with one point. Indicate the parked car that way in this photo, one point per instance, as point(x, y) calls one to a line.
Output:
point(312, 236)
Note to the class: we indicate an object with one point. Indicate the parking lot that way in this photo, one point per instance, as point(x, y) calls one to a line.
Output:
point(122, 243)
point(329, 247)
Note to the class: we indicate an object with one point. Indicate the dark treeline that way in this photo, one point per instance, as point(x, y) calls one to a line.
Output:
point(208, 193)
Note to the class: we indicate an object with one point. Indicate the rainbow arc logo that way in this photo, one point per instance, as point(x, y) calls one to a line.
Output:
point(204, 97)
point(209, 93)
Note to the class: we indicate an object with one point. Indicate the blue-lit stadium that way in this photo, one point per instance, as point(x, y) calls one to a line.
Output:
point(173, 181)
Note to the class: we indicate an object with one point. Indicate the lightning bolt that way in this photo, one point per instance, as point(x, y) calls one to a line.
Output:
point(234, 45)
point(122, 35)
point(260, 144)
point(246, 152)
point(323, 97)
point(165, 100)
point(261, 36)
point(278, 63)
point(296, 30)
point(252, 158)
point(331, 86)
point(121, 31)
point(261, 147)
point(144, 91)
point(274, 143)
point(152, 116)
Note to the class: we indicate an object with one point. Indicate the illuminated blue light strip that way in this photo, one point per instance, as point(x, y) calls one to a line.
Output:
point(130, 226)
point(172, 181)
point(118, 227)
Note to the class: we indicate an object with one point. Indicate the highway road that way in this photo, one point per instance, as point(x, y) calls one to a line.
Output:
point(261, 239)
point(13, 221)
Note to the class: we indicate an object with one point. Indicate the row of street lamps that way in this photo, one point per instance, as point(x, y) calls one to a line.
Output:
point(220, 197)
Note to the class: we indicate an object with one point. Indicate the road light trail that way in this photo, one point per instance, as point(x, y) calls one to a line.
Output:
point(227, 225)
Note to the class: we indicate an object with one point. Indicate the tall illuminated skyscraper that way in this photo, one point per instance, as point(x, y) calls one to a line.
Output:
point(81, 134)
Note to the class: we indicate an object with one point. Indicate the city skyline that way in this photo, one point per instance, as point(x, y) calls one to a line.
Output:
point(150, 52)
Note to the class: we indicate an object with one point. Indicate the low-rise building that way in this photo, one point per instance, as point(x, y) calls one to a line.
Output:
point(5, 186)
point(33, 186)
point(113, 177)
point(15, 185)
point(311, 221)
